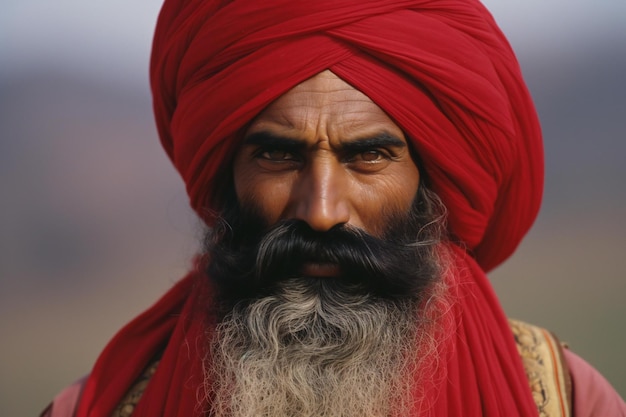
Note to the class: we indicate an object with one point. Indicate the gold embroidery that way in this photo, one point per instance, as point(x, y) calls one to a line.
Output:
point(126, 407)
point(540, 353)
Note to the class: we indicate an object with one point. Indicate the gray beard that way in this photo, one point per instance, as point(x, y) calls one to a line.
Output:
point(313, 349)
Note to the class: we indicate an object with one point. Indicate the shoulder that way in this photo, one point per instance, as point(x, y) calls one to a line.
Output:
point(65, 403)
point(563, 384)
point(546, 369)
point(592, 394)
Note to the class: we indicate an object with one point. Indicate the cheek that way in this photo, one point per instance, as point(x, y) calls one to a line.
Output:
point(268, 196)
point(376, 202)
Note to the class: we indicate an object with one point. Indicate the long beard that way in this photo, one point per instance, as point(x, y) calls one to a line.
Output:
point(316, 348)
point(354, 345)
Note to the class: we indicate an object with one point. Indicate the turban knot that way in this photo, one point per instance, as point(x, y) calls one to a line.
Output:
point(442, 70)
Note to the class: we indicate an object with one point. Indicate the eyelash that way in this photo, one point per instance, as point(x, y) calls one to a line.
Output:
point(382, 153)
point(261, 151)
point(295, 157)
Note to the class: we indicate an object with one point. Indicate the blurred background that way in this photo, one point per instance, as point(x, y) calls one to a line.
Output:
point(94, 223)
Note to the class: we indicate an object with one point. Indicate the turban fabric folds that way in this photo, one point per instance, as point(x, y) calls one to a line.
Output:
point(443, 72)
point(441, 69)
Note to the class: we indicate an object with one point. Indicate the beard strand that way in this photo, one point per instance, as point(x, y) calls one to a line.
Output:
point(315, 348)
point(356, 345)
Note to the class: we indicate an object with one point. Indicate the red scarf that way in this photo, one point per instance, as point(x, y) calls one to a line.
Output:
point(443, 71)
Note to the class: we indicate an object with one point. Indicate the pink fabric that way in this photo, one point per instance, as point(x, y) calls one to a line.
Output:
point(64, 404)
point(593, 396)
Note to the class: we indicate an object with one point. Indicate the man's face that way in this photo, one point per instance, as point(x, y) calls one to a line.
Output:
point(326, 154)
point(325, 188)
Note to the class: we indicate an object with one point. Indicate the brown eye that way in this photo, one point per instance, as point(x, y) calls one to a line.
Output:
point(369, 161)
point(371, 156)
point(277, 155)
point(277, 159)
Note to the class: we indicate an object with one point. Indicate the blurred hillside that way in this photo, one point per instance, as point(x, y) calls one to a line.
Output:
point(94, 223)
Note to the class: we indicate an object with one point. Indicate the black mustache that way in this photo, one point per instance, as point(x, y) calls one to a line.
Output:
point(287, 247)
point(390, 267)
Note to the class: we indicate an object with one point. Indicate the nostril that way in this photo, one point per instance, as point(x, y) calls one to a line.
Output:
point(322, 216)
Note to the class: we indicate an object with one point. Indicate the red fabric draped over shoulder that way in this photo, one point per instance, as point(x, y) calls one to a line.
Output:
point(443, 71)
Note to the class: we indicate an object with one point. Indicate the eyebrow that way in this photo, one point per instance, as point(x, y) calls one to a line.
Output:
point(358, 144)
point(378, 140)
point(272, 140)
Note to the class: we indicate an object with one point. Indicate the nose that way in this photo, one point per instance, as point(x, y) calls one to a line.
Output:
point(320, 197)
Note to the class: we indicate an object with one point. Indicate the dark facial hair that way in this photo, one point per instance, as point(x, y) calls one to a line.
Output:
point(248, 258)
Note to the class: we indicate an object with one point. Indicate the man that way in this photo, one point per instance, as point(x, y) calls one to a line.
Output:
point(361, 165)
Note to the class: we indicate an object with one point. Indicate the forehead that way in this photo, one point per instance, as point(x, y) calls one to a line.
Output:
point(324, 106)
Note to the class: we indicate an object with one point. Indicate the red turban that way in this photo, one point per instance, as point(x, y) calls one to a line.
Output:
point(443, 72)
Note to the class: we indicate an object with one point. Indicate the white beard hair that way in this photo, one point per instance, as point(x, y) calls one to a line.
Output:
point(313, 351)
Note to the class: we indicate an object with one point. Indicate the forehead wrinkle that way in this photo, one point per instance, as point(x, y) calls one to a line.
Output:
point(323, 109)
point(280, 118)
point(363, 121)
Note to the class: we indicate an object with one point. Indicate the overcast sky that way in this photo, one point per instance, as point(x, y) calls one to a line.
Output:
point(112, 38)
